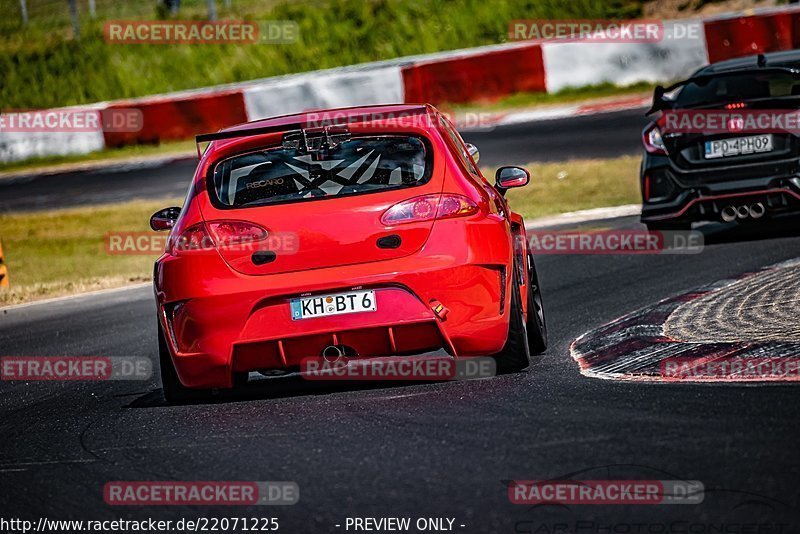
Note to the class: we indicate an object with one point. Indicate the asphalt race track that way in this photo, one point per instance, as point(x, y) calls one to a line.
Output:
point(598, 136)
point(411, 450)
point(604, 135)
point(417, 450)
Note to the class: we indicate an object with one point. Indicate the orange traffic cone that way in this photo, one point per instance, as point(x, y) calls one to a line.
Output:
point(3, 269)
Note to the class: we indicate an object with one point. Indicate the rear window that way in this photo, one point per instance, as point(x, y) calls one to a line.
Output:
point(734, 88)
point(359, 165)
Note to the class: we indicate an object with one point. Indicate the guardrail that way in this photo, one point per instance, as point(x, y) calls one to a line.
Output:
point(488, 72)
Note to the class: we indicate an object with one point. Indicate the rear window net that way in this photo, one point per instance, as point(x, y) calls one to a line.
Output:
point(288, 174)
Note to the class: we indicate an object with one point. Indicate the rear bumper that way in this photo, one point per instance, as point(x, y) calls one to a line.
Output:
point(219, 322)
point(675, 196)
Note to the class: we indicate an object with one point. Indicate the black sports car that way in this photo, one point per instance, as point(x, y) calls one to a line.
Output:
point(724, 144)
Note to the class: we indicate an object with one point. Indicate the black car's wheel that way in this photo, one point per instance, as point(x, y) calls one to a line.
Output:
point(174, 391)
point(515, 355)
point(536, 323)
point(668, 227)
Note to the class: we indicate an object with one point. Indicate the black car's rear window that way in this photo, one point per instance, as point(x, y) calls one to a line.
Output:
point(359, 165)
point(733, 88)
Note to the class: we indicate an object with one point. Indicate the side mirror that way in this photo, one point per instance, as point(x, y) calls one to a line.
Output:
point(508, 177)
point(474, 152)
point(164, 219)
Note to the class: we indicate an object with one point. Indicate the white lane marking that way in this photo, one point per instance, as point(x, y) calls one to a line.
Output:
point(594, 214)
point(78, 296)
point(22, 466)
point(553, 113)
point(536, 115)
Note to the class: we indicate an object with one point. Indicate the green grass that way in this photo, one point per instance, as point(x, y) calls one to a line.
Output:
point(61, 252)
point(576, 185)
point(43, 65)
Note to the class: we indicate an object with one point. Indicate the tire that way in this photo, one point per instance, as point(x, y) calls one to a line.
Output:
point(536, 323)
point(515, 355)
point(175, 392)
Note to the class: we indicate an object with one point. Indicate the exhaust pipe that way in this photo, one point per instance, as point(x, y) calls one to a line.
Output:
point(728, 213)
point(757, 210)
point(742, 212)
point(332, 353)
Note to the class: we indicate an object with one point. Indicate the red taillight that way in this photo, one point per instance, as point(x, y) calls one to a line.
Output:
point(211, 234)
point(227, 233)
point(195, 237)
point(421, 210)
point(646, 187)
point(653, 141)
point(735, 105)
point(428, 207)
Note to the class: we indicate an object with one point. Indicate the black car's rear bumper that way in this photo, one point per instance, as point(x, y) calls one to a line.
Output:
point(675, 195)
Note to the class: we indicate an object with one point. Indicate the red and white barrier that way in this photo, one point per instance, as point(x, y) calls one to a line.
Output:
point(19, 146)
point(477, 76)
point(579, 64)
point(20, 142)
point(323, 90)
point(765, 30)
point(170, 118)
point(484, 73)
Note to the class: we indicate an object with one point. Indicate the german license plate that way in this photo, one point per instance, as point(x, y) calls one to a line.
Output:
point(335, 304)
point(723, 148)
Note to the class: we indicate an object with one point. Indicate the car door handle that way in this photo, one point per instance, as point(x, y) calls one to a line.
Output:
point(389, 241)
point(260, 257)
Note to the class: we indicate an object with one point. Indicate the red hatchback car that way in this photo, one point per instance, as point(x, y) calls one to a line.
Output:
point(357, 232)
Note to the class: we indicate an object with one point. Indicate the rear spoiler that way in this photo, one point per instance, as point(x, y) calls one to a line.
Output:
point(660, 104)
point(327, 119)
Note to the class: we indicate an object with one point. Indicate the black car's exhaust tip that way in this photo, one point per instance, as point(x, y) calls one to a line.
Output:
point(728, 214)
point(753, 211)
point(757, 210)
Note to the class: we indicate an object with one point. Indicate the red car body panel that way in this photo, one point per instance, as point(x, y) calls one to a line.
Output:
point(222, 314)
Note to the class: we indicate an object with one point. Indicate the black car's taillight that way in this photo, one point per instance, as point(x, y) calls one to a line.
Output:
point(653, 141)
